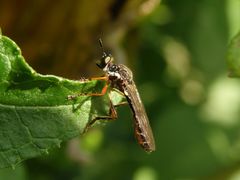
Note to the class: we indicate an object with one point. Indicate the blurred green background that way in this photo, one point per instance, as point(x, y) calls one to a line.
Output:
point(177, 52)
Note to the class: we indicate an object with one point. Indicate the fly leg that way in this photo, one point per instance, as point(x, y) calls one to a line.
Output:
point(112, 111)
point(112, 116)
point(103, 92)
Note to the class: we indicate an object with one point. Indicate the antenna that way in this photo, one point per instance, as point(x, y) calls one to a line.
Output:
point(101, 45)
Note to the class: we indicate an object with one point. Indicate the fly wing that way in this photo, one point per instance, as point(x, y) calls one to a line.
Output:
point(143, 131)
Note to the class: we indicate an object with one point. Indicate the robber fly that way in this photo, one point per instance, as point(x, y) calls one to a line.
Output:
point(120, 77)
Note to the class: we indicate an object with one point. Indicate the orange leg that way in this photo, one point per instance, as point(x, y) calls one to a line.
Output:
point(105, 78)
point(83, 79)
point(103, 92)
point(112, 116)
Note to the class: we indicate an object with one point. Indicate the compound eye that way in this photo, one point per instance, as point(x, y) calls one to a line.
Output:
point(107, 59)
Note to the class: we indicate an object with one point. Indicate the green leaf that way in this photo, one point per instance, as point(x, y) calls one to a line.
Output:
point(233, 57)
point(35, 114)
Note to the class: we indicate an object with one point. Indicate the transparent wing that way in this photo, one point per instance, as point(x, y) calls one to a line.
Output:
point(143, 131)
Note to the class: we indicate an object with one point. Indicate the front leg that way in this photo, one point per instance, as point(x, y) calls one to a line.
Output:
point(103, 92)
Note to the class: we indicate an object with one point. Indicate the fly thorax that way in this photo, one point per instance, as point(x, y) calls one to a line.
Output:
point(113, 71)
